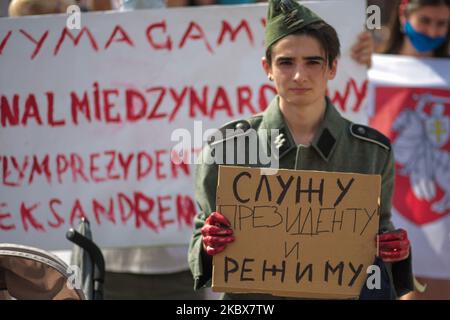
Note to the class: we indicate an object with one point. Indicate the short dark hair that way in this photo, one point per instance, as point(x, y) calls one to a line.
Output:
point(322, 32)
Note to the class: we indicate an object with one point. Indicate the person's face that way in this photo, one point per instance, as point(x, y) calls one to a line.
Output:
point(299, 70)
point(432, 21)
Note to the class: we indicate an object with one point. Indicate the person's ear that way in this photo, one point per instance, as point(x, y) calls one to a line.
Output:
point(333, 70)
point(267, 68)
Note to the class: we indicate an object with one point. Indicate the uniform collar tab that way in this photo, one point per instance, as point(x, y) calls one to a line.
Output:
point(329, 131)
point(273, 120)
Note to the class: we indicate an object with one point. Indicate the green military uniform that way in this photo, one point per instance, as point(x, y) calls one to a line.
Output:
point(338, 146)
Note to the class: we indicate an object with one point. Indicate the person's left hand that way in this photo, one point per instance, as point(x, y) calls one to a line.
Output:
point(394, 245)
point(362, 50)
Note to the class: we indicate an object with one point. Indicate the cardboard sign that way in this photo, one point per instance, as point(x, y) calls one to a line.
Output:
point(297, 233)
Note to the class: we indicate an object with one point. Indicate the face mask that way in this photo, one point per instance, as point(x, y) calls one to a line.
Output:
point(422, 42)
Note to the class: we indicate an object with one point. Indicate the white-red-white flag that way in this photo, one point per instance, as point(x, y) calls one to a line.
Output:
point(410, 103)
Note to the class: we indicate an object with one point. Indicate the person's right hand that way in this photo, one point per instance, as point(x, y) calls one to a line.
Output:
point(217, 233)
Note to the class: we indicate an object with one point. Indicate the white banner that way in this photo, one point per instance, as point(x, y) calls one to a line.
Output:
point(410, 103)
point(86, 116)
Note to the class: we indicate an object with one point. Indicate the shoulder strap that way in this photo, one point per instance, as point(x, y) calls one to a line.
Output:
point(230, 130)
point(369, 134)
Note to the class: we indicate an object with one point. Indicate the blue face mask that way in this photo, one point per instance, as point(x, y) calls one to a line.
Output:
point(422, 42)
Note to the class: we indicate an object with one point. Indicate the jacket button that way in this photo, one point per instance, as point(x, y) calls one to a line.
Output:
point(240, 126)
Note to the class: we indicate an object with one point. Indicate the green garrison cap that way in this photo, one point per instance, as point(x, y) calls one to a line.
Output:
point(285, 17)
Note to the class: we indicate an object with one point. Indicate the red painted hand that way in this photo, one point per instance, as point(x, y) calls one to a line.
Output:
point(217, 233)
point(394, 245)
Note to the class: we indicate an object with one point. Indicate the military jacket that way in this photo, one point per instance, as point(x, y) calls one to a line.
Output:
point(338, 146)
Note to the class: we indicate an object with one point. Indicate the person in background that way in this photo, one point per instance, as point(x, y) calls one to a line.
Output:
point(420, 29)
point(19, 8)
